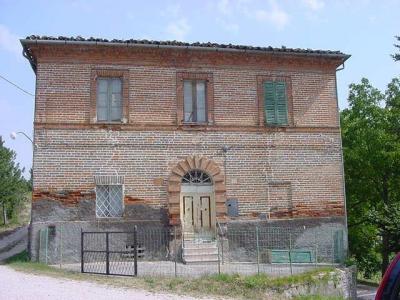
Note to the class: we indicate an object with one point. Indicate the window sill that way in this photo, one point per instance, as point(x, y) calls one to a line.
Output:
point(277, 125)
point(109, 122)
point(195, 124)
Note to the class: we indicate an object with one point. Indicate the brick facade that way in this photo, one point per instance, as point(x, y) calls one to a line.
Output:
point(291, 172)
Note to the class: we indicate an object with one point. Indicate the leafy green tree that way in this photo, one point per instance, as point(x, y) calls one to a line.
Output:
point(371, 147)
point(396, 56)
point(12, 184)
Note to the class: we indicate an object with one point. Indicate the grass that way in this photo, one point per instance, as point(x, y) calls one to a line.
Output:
point(222, 285)
point(19, 258)
point(373, 281)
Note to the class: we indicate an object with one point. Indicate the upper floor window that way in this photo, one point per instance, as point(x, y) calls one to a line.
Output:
point(109, 99)
point(275, 103)
point(194, 101)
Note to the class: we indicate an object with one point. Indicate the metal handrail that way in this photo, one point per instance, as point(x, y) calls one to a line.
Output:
point(218, 227)
point(221, 242)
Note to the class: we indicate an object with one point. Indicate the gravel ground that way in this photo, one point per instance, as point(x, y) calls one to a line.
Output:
point(20, 286)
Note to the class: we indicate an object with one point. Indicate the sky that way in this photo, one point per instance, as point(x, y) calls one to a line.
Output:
point(363, 28)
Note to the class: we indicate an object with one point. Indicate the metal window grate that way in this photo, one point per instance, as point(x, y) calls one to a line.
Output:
point(196, 177)
point(109, 201)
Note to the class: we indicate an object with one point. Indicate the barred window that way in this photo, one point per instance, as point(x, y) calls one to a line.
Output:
point(109, 201)
point(196, 177)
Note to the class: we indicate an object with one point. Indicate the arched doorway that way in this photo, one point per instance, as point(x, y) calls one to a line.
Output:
point(182, 181)
point(197, 203)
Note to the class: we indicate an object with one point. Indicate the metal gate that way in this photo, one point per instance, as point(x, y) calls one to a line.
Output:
point(109, 253)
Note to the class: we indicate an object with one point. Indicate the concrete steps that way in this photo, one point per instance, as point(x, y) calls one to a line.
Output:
point(199, 251)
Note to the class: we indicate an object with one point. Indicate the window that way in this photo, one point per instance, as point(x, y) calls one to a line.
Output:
point(109, 201)
point(275, 103)
point(196, 177)
point(109, 99)
point(194, 101)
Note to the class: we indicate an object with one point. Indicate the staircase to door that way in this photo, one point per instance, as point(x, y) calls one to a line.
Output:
point(198, 251)
point(199, 243)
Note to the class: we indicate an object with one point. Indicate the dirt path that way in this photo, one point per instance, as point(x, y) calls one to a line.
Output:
point(21, 286)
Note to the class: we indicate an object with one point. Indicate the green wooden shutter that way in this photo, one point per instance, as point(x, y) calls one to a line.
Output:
point(281, 103)
point(275, 103)
point(269, 102)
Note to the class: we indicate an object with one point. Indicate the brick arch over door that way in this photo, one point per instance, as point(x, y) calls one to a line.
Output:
point(174, 186)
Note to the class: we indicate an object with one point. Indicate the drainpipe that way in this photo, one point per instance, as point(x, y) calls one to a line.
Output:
point(342, 160)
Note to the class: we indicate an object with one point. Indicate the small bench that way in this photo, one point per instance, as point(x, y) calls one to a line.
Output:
point(294, 256)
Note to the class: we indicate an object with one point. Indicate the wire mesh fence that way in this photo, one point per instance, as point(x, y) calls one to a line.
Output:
point(145, 251)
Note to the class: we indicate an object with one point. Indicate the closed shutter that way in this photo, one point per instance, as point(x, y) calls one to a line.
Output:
point(275, 103)
point(281, 103)
point(269, 102)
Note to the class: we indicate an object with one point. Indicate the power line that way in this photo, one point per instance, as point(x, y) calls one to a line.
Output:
point(18, 87)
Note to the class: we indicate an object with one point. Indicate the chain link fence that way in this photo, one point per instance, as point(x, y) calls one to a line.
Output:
point(276, 251)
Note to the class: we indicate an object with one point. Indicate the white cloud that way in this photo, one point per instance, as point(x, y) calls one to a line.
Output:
point(314, 4)
point(275, 15)
point(178, 29)
point(9, 41)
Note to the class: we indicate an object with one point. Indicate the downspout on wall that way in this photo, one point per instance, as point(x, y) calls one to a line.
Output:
point(342, 159)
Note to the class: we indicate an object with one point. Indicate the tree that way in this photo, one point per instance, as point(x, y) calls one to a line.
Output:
point(371, 148)
point(396, 56)
point(12, 184)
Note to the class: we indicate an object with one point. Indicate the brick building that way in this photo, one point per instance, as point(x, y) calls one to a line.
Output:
point(196, 136)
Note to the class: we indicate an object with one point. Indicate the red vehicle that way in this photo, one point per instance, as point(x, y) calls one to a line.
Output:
point(389, 288)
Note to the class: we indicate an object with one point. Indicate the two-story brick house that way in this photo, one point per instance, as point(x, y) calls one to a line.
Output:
point(190, 135)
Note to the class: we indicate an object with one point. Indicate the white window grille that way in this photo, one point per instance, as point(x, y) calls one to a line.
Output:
point(196, 177)
point(109, 201)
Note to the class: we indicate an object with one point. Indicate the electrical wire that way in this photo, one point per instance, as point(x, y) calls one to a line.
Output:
point(18, 87)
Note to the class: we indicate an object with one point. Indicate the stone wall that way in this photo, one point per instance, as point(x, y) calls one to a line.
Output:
point(340, 283)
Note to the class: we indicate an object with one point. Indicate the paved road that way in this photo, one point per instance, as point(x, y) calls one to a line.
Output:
point(21, 286)
point(365, 292)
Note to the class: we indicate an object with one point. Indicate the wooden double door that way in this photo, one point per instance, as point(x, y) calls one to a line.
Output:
point(197, 212)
